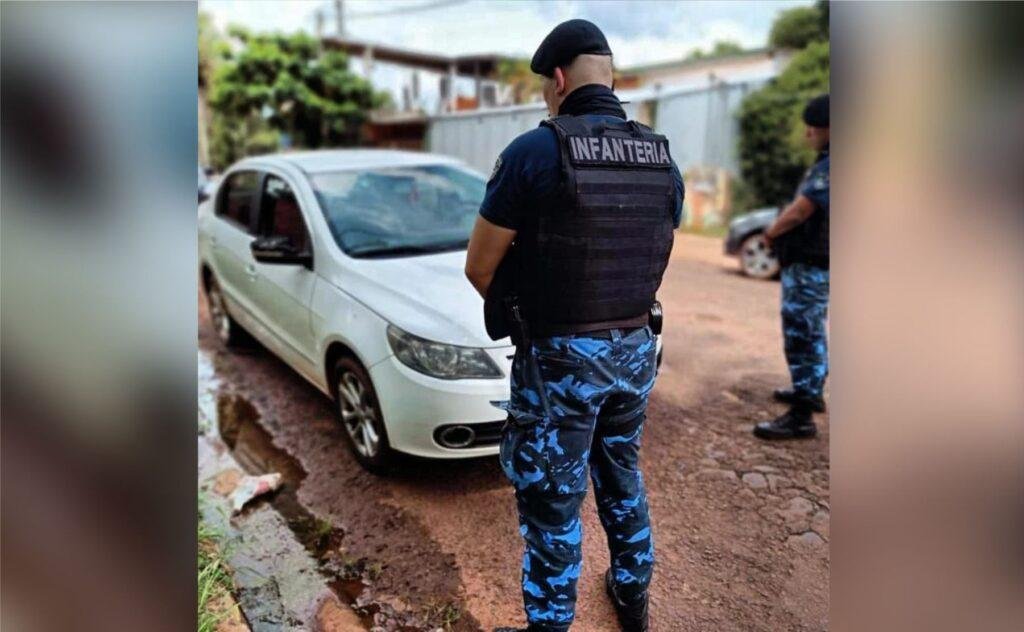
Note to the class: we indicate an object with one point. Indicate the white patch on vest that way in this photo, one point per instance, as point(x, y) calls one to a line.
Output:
point(611, 149)
point(584, 149)
point(620, 154)
point(497, 165)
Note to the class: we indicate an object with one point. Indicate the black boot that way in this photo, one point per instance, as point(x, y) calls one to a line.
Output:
point(796, 423)
point(788, 396)
point(632, 614)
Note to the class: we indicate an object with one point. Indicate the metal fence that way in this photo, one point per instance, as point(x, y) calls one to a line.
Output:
point(700, 124)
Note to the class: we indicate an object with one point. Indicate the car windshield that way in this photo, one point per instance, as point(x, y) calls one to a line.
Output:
point(401, 210)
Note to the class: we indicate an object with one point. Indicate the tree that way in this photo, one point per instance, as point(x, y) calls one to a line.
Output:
point(773, 155)
point(212, 49)
point(516, 73)
point(284, 85)
point(798, 27)
point(720, 49)
point(823, 14)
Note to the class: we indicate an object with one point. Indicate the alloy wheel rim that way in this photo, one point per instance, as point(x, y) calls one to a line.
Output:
point(757, 257)
point(357, 414)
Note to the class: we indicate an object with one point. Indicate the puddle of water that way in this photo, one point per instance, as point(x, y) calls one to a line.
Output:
point(236, 421)
point(209, 386)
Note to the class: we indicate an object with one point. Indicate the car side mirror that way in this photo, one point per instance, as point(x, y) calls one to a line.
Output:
point(278, 249)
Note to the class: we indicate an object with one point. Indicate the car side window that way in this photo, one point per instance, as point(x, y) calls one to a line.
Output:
point(280, 214)
point(236, 201)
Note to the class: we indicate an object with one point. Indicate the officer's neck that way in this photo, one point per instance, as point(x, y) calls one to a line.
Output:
point(592, 98)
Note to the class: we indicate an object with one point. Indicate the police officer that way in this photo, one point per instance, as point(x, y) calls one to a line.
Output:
point(800, 237)
point(590, 201)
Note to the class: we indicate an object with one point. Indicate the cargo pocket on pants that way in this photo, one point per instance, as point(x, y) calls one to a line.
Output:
point(521, 451)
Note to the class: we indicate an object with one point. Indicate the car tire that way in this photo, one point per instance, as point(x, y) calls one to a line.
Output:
point(225, 327)
point(757, 259)
point(358, 411)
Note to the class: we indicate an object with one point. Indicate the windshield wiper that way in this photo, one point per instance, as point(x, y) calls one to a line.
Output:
point(395, 251)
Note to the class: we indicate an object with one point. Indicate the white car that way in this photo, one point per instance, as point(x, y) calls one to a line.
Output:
point(349, 266)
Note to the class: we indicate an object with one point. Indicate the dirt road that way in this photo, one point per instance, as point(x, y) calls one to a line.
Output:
point(741, 527)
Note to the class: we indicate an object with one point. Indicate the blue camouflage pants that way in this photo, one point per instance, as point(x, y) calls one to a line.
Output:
point(578, 405)
point(804, 309)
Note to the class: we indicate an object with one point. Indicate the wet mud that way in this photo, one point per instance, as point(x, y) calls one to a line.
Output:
point(363, 582)
point(740, 526)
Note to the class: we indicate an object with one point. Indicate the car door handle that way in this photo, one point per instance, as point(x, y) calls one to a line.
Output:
point(251, 271)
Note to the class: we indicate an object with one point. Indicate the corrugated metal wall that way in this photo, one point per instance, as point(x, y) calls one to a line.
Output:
point(699, 123)
point(479, 137)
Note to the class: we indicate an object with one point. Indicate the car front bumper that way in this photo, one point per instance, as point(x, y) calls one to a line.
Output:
point(733, 242)
point(415, 406)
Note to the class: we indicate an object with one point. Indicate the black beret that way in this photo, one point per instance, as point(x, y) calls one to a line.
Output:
point(565, 42)
point(816, 112)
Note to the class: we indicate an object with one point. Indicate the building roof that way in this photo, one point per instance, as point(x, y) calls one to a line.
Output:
point(679, 64)
point(319, 161)
point(485, 65)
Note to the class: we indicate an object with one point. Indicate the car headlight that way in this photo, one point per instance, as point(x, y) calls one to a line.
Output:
point(448, 362)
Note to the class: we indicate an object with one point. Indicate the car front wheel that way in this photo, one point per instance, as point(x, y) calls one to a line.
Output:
point(757, 258)
point(357, 409)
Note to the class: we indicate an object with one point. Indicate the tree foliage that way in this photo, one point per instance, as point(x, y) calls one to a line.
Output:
point(212, 48)
point(720, 49)
point(525, 83)
point(773, 155)
point(798, 27)
point(272, 86)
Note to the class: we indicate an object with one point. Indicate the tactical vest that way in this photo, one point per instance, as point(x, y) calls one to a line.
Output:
point(595, 261)
point(807, 243)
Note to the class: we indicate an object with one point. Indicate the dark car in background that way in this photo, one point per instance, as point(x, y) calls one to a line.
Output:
point(746, 241)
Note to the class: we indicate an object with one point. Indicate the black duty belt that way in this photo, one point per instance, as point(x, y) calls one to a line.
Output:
point(589, 329)
point(606, 334)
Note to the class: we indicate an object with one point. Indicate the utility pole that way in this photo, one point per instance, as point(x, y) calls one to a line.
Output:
point(339, 16)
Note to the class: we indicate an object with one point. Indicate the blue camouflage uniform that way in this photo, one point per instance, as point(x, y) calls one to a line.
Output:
point(577, 406)
point(805, 288)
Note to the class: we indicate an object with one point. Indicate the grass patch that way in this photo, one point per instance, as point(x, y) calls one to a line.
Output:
point(443, 615)
point(213, 579)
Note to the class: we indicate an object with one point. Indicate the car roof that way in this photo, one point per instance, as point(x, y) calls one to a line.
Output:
point(345, 159)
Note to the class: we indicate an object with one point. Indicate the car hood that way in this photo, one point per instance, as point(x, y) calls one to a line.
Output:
point(426, 295)
point(760, 217)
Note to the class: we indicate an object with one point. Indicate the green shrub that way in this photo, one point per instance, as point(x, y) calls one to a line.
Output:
point(798, 27)
point(271, 84)
point(772, 152)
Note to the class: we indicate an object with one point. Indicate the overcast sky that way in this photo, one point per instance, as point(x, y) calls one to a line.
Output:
point(638, 31)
